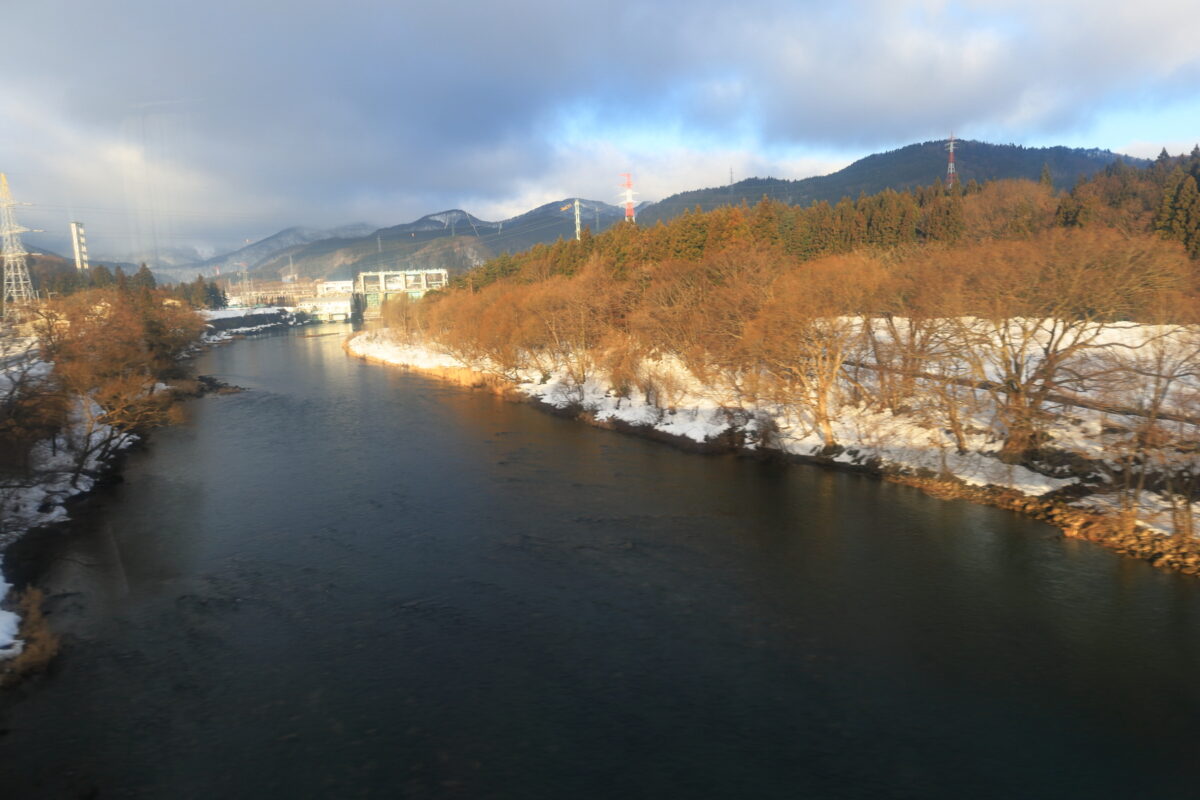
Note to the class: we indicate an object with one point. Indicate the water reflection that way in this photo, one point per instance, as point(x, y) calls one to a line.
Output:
point(351, 581)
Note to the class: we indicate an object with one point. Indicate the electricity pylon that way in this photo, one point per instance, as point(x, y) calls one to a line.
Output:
point(578, 224)
point(951, 171)
point(18, 290)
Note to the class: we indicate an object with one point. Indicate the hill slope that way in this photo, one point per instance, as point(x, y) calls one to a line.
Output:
point(914, 165)
point(453, 240)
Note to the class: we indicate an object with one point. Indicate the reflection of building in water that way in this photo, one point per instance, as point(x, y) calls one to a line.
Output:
point(371, 289)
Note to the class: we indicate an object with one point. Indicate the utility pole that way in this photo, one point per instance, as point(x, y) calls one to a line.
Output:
point(578, 228)
point(79, 242)
point(18, 290)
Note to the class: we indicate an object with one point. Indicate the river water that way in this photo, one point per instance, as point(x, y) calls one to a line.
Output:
point(349, 581)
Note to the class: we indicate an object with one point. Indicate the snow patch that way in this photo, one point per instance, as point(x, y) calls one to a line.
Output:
point(55, 478)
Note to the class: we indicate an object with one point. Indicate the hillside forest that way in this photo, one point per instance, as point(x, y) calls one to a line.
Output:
point(1001, 310)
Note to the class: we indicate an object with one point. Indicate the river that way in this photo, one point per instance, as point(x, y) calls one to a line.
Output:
point(350, 581)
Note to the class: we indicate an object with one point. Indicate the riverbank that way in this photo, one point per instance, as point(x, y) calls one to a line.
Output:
point(893, 447)
point(226, 323)
point(57, 479)
point(71, 464)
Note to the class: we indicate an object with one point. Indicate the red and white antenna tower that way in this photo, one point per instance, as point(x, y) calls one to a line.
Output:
point(951, 173)
point(628, 194)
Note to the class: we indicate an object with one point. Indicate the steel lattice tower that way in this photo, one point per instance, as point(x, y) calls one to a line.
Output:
point(628, 195)
point(951, 173)
point(18, 291)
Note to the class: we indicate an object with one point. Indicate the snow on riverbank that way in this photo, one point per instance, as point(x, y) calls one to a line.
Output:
point(228, 313)
point(697, 413)
point(380, 346)
point(54, 473)
point(226, 323)
point(54, 477)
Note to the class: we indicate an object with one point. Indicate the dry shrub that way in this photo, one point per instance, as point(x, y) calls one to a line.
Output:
point(41, 643)
point(661, 385)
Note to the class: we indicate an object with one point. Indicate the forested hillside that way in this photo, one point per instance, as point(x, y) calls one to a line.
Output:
point(1159, 199)
point(906, 168)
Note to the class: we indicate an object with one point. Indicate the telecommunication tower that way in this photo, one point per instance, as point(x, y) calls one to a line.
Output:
point(79, 242)
point(628, 195)
point(18, 291)
point(951, 173)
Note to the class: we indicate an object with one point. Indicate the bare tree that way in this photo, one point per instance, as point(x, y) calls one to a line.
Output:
point(1037, 308)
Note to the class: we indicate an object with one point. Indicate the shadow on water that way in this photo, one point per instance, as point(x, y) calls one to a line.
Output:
point(351, 581)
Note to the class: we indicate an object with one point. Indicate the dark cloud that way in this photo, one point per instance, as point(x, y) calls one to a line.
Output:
point(240, 116)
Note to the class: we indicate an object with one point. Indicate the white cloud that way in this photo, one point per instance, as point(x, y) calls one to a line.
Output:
point(593, 170)
point(1144, 149)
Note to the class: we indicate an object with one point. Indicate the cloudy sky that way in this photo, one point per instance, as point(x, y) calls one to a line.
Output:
point(164, 124)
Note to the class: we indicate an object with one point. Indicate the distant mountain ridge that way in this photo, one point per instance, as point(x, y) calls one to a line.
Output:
point(251, 255)
point(900, 169)
point(451, 239)
point(456, 240)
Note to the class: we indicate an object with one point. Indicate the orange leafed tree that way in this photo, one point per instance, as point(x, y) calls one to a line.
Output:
point(110, 348)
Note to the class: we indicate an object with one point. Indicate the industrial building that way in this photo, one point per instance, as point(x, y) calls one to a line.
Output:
point(372, 289)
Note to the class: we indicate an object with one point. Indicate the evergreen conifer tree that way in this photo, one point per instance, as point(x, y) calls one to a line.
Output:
point(1185, 224)
point(101, 276)
point(1184, 202)
point(1164, 219)
point(144, 278)
point(1046, 179)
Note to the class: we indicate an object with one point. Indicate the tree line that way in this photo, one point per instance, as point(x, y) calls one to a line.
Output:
point(57, 279)
point(1158, 198)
